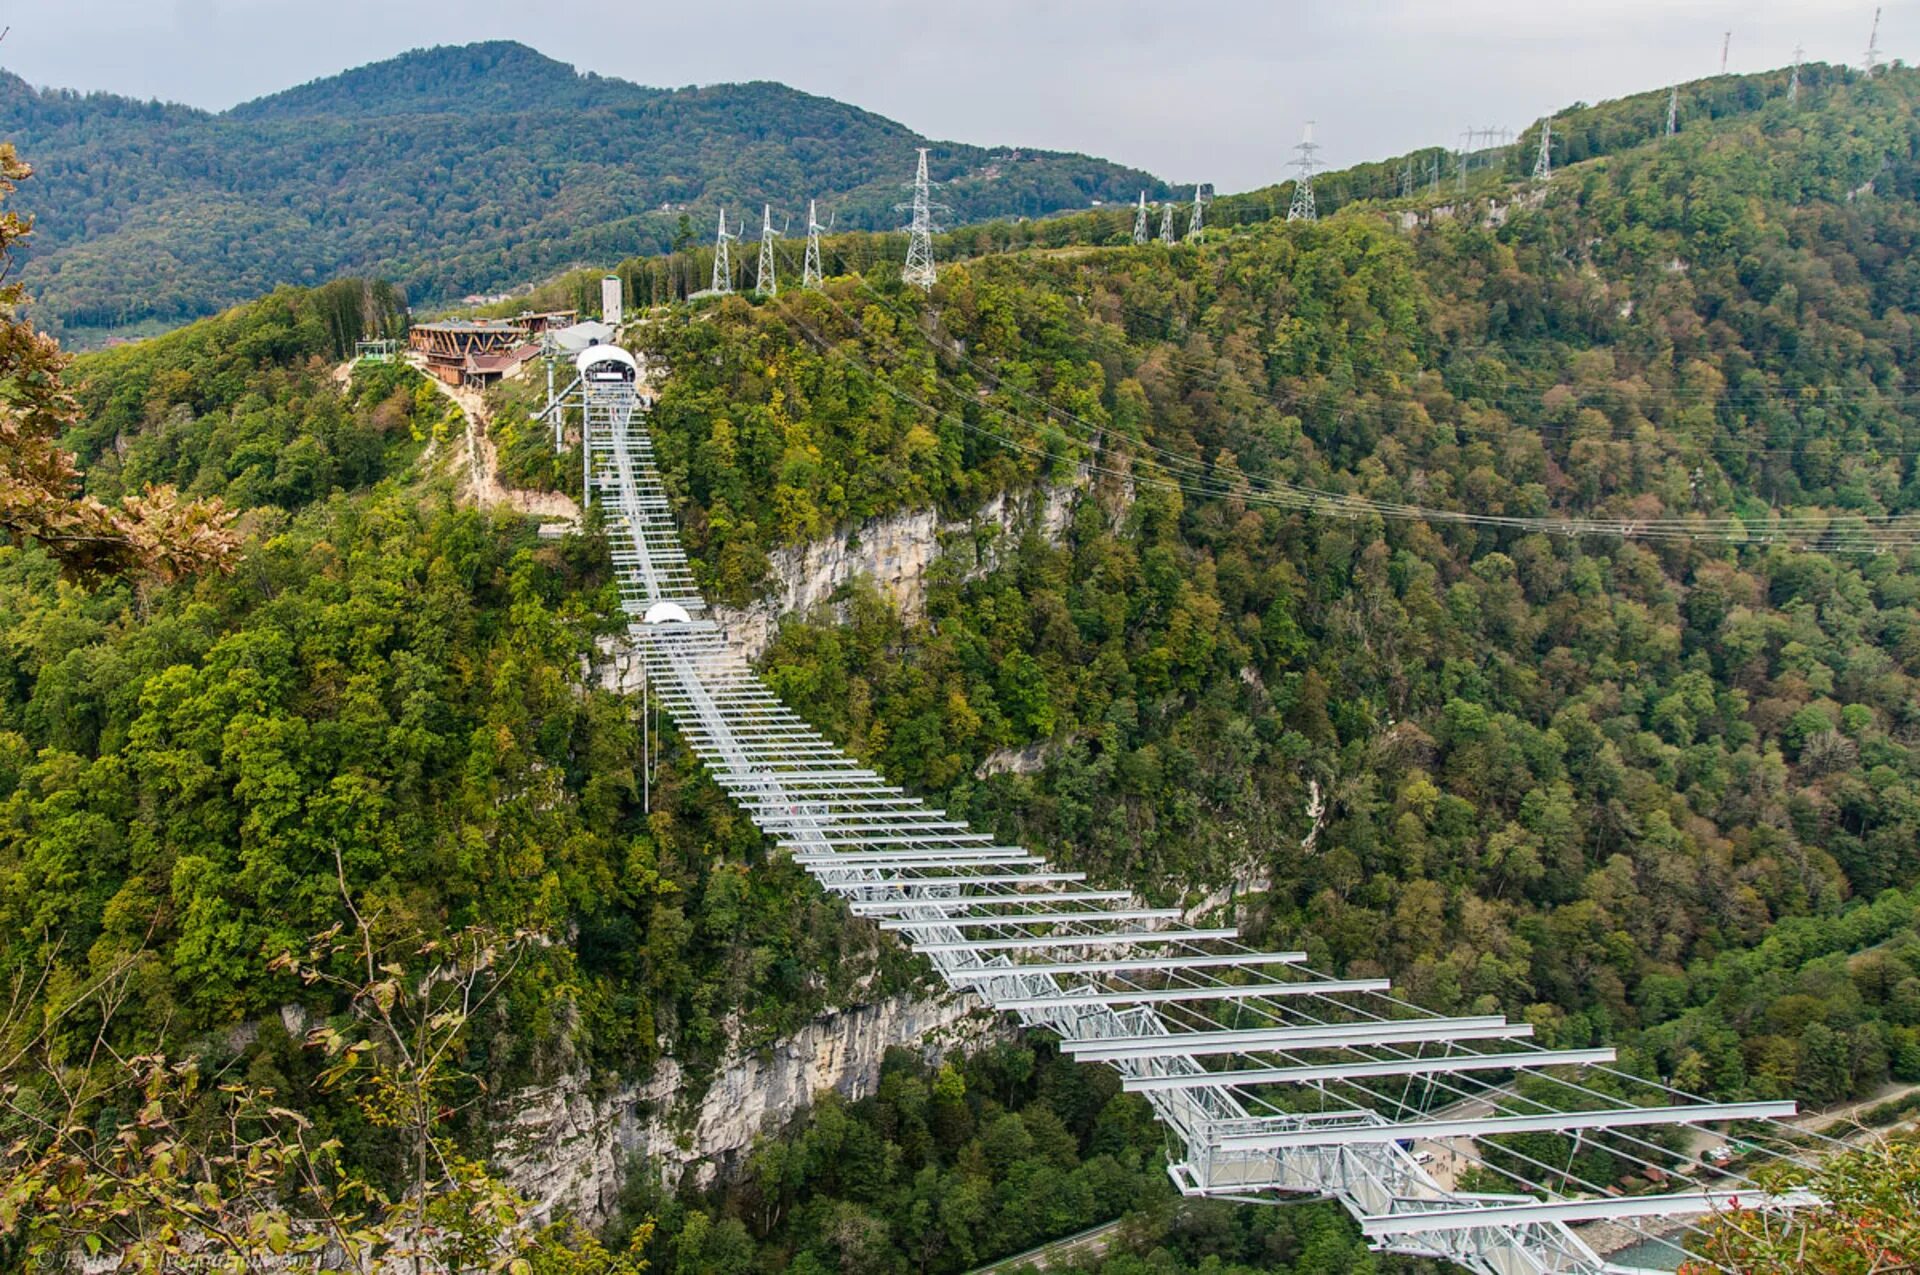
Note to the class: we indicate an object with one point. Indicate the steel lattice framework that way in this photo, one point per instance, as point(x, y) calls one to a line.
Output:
point(1270, 1077)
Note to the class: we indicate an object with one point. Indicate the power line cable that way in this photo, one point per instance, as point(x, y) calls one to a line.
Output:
point(1815, 532)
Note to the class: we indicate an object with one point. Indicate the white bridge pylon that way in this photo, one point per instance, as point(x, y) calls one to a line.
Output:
point(1272, 1078)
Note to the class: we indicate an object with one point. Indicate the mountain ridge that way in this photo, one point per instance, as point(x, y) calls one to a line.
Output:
point(454, 170)
point(487, 64)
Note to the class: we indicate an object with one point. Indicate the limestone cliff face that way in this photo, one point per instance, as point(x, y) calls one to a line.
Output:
point(894, 552)
point(568, 1149)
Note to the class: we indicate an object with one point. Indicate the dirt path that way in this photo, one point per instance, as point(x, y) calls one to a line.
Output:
point(481, 464)
point(1843, 1122)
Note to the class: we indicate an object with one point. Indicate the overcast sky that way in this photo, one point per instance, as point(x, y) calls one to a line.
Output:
point(1214, 90)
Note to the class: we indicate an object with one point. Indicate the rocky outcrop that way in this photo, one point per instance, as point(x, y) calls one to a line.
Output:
point(568, 1149)
point(894, 552)
point(1029, 760)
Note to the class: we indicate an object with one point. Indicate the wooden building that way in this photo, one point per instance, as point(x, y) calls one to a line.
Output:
point(468, 351)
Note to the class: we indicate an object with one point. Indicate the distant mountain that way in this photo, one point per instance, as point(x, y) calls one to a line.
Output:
point(451, 171)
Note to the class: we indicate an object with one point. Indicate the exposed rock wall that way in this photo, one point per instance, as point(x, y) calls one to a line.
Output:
point(568, 1149)
point(894, 552)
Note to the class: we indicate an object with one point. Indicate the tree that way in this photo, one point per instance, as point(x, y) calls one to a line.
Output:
point(156, 533)
point(1868, 1223)
point(142, 1160)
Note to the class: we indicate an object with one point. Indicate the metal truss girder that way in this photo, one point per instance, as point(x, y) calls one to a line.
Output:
point(1518, 1060)
point(975, 900)
point(1216, 992)
point(1488, 1126)
point(1103, 939)
point(1436, 1031)
point(1248, 960)
point(1420, 1220)
point(1030, 918)
point(991, 878)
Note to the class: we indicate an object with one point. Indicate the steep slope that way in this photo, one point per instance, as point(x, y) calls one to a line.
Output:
point(1664, 793)
point(453, 170)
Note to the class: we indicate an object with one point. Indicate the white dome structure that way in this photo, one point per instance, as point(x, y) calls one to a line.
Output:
point(666, 613)
point(606, 363)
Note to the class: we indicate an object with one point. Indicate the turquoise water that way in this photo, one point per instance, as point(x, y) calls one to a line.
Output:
point(1649, 1255)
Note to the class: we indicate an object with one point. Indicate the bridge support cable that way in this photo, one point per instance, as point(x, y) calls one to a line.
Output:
point(1262, 1069)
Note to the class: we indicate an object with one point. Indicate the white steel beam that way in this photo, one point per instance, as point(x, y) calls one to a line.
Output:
point(1031, 918)
point(1170, 962)
point(1214, 992)
point(974, 899)
point(1488, 1126)
point(998, 878)
point(1103, 939)
point(839, 862)
point(1307, 1075)
point(1416, 1221)
point(1437, 1031)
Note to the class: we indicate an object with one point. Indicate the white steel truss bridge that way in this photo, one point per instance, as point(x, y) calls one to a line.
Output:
point(1271, 1078)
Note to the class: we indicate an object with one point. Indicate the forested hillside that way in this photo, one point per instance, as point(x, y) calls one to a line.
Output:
point(1656, 792)
point(1659, 793)
point(455, 170)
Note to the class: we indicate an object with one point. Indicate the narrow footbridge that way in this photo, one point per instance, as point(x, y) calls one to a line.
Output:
point(1272, 1079)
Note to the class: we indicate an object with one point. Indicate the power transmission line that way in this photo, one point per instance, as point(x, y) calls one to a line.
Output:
point(1140, 220)
point(1302, 208)
point(722, 258)
point(1296, 401)
point(766, 281)
point(1202, 481)
point(920, 272)
point(810, 269)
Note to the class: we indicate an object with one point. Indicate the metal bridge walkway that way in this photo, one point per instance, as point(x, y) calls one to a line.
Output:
point(1272, 1078)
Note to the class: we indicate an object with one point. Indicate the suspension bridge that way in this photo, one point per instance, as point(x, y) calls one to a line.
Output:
point(1272, 1079)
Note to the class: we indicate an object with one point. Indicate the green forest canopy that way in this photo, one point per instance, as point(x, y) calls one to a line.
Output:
point(1660, 795)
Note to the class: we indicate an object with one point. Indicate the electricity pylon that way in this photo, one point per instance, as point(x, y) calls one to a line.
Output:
point(1872, 62)
point(722, 261)
point(1197, 226)
point(810, 267)
point(1673, 111)
point(1166, 223)
point(1302, 208)
point(1543, 164)
point(919, 270)
point(1140, 220)
point(766, 281)
point(1793, 82)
